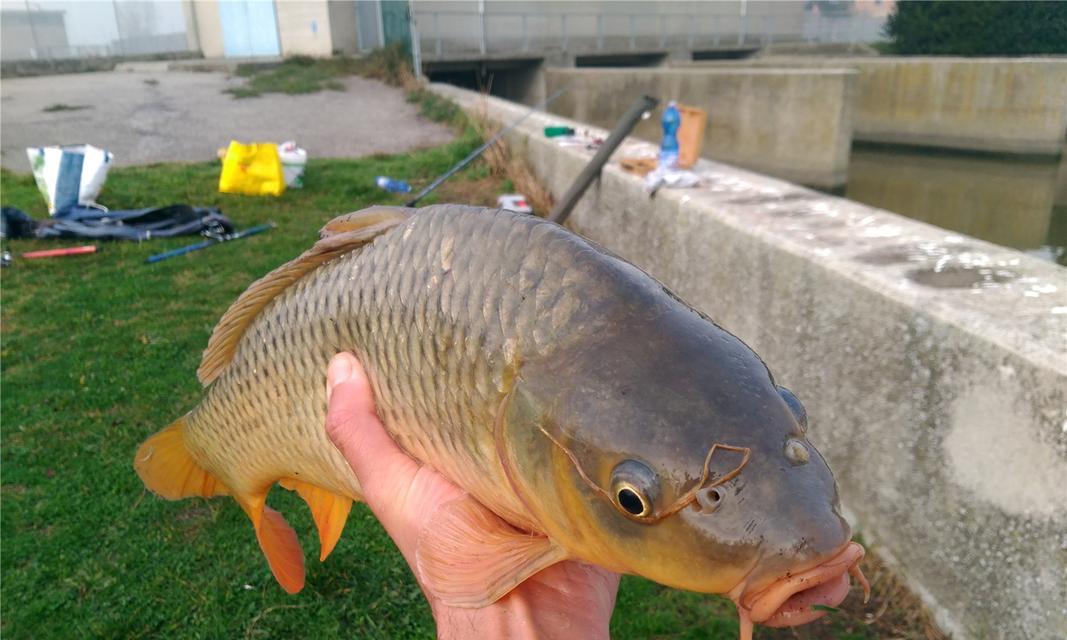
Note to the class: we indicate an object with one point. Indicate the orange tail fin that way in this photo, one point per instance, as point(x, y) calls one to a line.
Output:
point(327, 508)
point(165, 466)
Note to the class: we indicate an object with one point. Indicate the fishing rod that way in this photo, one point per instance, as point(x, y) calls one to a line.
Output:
point(213, 239)
point(488, 143)
point(622, 129)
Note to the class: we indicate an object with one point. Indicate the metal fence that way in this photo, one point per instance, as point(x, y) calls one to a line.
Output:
point(69, 29)
point(72, 29)
point(444, 34)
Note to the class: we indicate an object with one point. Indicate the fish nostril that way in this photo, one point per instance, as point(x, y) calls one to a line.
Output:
point(710, 499)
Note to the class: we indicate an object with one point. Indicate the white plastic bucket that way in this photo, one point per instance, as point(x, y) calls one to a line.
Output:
point(294, 160)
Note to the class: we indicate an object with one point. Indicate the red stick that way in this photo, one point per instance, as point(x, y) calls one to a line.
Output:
point(53, 253)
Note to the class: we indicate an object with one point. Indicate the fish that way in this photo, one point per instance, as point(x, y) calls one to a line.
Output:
point(596, 413)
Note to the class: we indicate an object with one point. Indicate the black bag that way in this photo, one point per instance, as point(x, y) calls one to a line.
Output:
point(14, 223)
point(136, 224)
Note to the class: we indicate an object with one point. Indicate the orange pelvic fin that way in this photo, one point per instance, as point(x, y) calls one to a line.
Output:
point(469, 557)
point(329, 510)
point(278, 542)
point(165, 466)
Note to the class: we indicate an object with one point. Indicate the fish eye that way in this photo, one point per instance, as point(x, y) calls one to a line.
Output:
point(795, 406)
point(631, 502)
point(634, 488)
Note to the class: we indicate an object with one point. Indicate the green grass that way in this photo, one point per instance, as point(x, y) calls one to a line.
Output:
point(296, 75)
point(304, 74)
point(98, 352)
point(434, 107)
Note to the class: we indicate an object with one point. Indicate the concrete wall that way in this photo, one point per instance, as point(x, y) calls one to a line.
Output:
point(1014, 105)
point(304, 27)
point(208, 28)
point(344, 26)
point(933, 365)
point(794, 124)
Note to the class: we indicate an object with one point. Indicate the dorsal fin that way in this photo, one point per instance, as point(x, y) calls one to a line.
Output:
point(341, 235)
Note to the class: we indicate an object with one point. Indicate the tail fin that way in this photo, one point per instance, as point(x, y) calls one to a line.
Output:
point(165, 466)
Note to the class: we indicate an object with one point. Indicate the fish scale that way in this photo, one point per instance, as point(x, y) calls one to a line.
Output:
point(437, 397)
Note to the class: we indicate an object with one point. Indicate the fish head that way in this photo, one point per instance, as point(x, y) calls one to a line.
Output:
point(671, 453)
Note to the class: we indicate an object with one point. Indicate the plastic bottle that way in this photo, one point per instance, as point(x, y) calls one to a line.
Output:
point(668, 148)
point(393, 186)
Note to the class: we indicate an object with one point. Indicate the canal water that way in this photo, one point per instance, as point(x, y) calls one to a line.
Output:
point(1019, 203)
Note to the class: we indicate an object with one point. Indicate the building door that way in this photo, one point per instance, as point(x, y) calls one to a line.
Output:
point(249, 28)
point(369, 19)
point(395, 22)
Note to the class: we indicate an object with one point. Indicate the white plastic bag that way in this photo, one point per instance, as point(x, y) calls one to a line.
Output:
point(671, 178)
point(69, 175)
point(294, 159)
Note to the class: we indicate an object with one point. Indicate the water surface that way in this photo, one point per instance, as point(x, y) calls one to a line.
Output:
point(1014, 202)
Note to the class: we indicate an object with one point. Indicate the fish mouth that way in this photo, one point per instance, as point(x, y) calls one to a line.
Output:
point(789, 601)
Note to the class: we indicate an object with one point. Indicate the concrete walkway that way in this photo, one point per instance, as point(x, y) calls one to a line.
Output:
point(175, 116)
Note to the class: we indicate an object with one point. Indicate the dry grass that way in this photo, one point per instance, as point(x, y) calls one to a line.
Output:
point(504, 164)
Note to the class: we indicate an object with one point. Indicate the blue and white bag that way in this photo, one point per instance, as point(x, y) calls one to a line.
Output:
point(70, 175)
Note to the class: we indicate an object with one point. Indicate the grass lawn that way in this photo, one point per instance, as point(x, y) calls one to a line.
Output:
point(100, 351)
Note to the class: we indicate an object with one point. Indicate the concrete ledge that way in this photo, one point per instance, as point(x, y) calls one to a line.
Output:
point(794, 124)
point(933, 365)
point(1013, 105)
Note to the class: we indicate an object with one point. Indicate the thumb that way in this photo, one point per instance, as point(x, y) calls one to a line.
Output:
point(384, 471)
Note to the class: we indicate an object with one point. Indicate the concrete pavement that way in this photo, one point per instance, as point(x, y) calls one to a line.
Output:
point(176, 116)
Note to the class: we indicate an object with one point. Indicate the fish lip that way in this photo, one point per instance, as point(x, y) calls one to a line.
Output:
point(764, 604)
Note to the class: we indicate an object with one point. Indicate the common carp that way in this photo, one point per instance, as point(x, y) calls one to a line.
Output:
point(563, 388)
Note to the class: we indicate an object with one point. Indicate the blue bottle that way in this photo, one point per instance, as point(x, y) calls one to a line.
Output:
point(668, 148)
point(392, 186)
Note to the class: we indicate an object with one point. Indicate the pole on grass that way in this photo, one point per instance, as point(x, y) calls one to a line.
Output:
point(477, 152)
point(251, 231)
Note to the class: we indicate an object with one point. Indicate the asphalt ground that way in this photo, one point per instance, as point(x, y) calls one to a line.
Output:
point(182, 116)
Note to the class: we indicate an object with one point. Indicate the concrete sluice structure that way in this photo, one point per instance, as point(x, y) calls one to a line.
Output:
point(1004, 105)
point(795, 124)
point(933, 365)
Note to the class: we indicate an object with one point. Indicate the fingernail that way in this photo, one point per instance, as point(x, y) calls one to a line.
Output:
point(340, 369)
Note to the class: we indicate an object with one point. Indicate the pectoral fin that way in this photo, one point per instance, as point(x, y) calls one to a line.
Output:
point(469, 557)
point(329, 510)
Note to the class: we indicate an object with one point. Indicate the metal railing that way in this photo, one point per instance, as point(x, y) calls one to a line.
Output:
point(443, 34)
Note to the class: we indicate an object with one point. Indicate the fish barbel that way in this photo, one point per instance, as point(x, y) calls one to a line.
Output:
point(564, 389)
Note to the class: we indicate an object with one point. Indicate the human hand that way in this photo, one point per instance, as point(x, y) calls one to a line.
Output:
point(569, 599)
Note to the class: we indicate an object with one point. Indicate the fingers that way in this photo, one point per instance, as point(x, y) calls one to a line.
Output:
point(385, 472)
